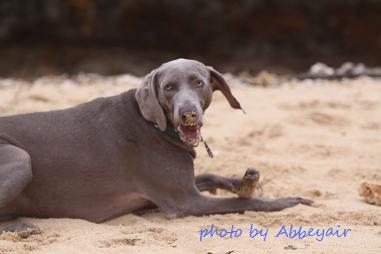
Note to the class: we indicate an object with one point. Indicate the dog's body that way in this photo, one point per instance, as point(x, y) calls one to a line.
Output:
point(107, 157)
point(85, 160)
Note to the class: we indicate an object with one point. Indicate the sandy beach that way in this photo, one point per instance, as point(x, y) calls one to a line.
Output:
point(316, 139)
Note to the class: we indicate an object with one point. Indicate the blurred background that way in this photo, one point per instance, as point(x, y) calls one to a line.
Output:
point(43, 37)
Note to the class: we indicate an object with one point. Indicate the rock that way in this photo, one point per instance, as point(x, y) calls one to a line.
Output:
point(371, 193)
point(321, 69)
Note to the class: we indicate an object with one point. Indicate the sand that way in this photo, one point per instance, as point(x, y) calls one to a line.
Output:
point(316, 139)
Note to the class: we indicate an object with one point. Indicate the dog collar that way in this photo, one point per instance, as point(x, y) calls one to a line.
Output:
point(170, 131)
point(173, 133)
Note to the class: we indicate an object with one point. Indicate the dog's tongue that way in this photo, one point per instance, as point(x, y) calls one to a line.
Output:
point(190, 135)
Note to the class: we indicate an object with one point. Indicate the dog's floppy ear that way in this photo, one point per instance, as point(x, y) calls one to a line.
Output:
point(219, 83)
point(148, 102)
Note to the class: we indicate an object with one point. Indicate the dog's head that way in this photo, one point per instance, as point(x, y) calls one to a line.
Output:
point(178, 93)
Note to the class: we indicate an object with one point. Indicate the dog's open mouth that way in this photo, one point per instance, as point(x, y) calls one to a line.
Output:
point(190, 134)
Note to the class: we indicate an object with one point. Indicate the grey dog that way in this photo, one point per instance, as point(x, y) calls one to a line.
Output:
point(119, 154)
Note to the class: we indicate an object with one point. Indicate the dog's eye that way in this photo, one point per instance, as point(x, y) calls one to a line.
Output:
point(168, 87)
point(199, 83)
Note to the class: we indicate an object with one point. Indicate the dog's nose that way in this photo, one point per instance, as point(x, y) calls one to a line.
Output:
point(189, 117)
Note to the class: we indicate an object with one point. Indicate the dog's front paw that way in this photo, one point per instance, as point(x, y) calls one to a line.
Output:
point(283, 203)
point(248, 184)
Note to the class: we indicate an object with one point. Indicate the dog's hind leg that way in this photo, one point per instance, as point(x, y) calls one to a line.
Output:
point(15, 172)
